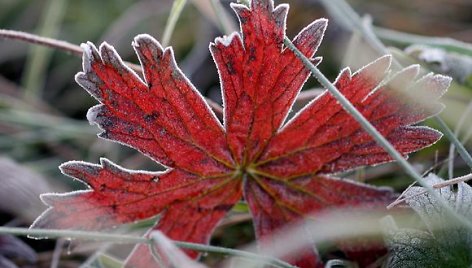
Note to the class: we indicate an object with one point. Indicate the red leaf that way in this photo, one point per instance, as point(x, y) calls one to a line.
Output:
point(275, 203)
point(281, 168)
point(260, 78)
point(164, 117)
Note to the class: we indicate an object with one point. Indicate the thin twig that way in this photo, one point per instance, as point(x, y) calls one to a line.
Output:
point(77, 51)
point(52, 43)
point(440, 185)
point(453, 181)
point(400, 198)
point(44, 41)
point(436, 165)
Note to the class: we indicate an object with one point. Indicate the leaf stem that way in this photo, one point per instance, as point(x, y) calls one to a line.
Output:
point(129, 239)
point(373, 132)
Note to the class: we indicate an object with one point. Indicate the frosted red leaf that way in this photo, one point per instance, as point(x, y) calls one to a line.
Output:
point(282, 169)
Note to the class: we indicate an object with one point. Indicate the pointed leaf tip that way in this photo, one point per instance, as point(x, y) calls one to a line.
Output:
point(310, 37)
point(226, 40)
point(88, 55)
point(146, 42)
point(110, 57)
point(377, 69)
point(344, 75)
point(79, 170)
point(404, 78)
point(92, 114)
point(48, 199)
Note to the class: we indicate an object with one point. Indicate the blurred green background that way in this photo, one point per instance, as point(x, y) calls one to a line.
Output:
point(42, 109)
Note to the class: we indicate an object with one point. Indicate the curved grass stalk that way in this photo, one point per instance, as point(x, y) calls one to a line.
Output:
point(404, 39)
point(374, 133)
point(129, 239)
point(39, 57)
point(352, 21)
point(452, 148)
point(224, 20)
point(174, 15)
